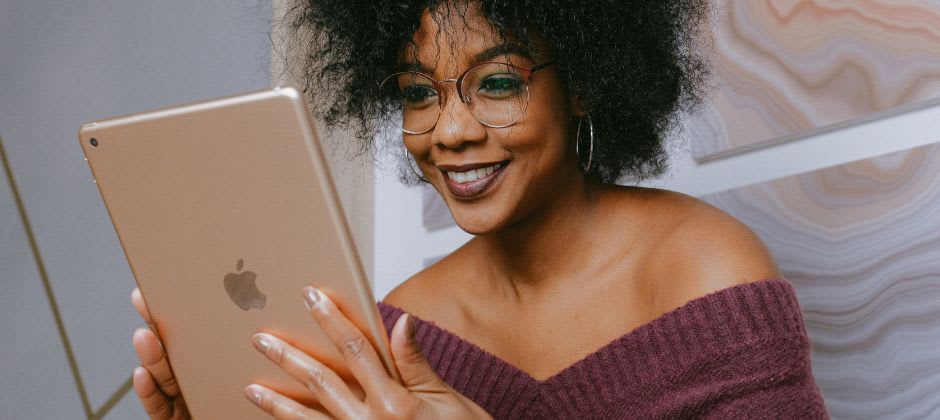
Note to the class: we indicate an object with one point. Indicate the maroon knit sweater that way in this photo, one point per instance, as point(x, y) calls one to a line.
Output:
point(738, 353)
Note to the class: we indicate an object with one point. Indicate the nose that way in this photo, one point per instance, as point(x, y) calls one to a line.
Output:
point(456, 126)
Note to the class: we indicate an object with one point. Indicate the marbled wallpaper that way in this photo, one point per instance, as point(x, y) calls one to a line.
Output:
point(861, 244)
point(786, 68)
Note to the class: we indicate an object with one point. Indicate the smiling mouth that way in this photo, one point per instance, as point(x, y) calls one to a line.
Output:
point(472, 183)
point(473, 174)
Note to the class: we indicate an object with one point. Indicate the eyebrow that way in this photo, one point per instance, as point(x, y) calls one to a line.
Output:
point(506, 48)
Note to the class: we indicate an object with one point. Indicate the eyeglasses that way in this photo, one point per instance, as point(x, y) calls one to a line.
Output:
point(497, 95)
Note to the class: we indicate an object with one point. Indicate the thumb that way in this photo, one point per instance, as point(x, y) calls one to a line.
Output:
point(416, 373)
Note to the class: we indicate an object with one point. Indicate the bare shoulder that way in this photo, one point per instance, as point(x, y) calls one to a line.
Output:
point(414, 291)
point(697, 249)
point(431, 293)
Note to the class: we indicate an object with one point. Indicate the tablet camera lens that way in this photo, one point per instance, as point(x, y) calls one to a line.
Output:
point(94, 142)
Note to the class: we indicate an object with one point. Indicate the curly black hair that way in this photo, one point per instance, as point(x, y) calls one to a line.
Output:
point(635, 66)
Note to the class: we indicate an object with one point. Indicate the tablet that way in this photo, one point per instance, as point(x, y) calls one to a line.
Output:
point(225, 209)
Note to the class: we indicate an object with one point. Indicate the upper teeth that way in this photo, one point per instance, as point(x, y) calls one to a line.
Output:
point(473, 174)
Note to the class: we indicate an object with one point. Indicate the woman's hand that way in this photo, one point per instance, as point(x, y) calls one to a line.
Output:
point(153, 380)
point(422, 395)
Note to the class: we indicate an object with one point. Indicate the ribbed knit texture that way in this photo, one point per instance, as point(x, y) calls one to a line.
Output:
point(738, 353)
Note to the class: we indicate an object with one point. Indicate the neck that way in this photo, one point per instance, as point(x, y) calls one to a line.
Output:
point(540, 252)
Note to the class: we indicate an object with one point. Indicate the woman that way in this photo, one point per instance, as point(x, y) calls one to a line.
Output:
point(576, 298)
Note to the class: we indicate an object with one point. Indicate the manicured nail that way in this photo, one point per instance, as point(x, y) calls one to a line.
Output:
point(311, 297)
point(253, 394)
point(410, 331)
point(261, 341)
point(410, 326)
point(137, 333)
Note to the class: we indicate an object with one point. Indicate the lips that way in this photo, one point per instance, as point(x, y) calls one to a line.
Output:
point(471, 181)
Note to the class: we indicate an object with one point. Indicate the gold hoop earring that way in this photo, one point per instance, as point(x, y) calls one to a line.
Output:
point(577, 144)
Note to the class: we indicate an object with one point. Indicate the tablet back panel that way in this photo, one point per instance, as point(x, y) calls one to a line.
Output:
point(206, 198)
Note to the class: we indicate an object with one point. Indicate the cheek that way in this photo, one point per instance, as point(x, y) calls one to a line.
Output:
point(547, 124)
point(417, 146)
point(544, 136)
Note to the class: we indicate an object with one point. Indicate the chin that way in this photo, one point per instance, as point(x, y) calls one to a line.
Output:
point(478, 225)
point(475, 230)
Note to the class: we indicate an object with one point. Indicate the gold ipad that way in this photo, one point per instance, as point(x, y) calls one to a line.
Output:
point(225, 210)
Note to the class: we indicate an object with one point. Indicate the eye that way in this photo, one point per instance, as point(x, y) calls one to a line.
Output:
point(501, 85)
point(418, 96)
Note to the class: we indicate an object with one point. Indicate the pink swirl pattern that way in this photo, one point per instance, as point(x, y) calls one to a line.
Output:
point(787, 68)
point(860, 243)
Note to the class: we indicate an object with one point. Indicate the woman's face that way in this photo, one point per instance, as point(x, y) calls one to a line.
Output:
point(526, 167)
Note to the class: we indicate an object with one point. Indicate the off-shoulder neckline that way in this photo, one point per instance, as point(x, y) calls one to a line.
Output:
point(676, 316)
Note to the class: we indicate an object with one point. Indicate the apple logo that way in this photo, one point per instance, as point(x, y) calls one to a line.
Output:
point(242, 290)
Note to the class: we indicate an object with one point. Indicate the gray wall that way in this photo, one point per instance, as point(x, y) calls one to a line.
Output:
point(65, 316)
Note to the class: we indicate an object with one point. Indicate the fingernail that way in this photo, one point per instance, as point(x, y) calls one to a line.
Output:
point(410, 331)
point(311, 297)
point(137, 333)
point(253, 394)
point(410, 326)
point(261, 341)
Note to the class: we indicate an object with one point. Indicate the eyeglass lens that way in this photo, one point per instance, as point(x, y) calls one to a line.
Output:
point(496, 95)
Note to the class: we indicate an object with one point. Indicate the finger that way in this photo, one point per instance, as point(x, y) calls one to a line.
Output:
point(363, 361)
point(138, 301)
point(154, 361)
point(155, 403)
point(416, 372)
point(329, 389)
point(280, 406)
